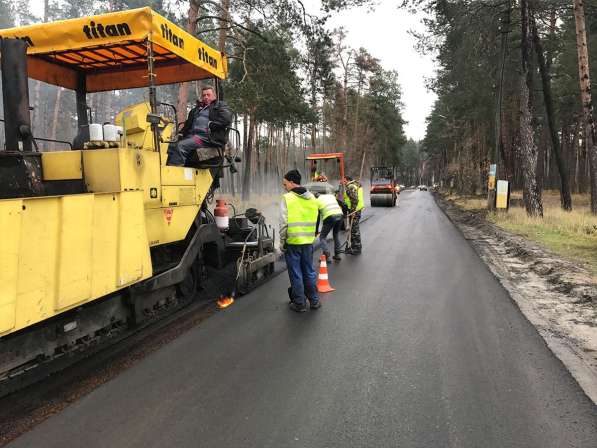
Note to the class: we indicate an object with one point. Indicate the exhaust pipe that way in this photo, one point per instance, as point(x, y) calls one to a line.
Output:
point(15, 93)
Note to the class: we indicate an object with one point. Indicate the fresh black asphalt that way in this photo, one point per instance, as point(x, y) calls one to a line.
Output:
point(419, 346)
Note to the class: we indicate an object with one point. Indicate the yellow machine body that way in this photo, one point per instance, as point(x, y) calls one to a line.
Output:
point(65, 251)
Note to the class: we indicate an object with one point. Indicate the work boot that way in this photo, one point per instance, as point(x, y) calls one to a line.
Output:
point(315, 305)
point(337, 257)
point(298, 308)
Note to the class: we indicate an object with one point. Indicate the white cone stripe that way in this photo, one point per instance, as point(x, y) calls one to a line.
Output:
point(324, 264)
point(323, 276)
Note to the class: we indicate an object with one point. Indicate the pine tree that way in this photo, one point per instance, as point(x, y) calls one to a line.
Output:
point(7, 16)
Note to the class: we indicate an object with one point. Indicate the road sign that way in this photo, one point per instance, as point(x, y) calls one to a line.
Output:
point(491, 179)
point(502, 194)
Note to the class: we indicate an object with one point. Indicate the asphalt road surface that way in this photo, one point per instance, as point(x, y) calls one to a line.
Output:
point(418, 347)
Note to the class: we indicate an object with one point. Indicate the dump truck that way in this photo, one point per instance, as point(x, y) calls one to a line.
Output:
point(104, 237)
point(382, 190)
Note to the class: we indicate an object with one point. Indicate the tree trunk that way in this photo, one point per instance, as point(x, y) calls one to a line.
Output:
point(232, 176)
point(528, 147)
point(225, 15)
point(108, 107)
point(344, 132)
point(323, 125)
point(55, 114)
point(577, 155)
point(565, 198)
point(37, 115)
point(585, 94)
point(498, 112)
point(355, 130)
point(313, 104)
point(246, 190)
point(183, 90)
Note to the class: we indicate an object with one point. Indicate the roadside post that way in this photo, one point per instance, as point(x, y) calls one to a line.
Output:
point(491, 193)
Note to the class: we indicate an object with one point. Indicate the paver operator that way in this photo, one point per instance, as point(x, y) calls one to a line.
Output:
point(204, 130)
point(331, 216)
point(298, 223)
point(355, 201)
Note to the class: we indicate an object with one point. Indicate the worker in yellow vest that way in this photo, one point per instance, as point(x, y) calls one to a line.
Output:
point(355, 202)
point(331, 215)
point(298, 225)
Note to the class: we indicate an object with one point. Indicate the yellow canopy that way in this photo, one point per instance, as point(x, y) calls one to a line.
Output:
point(111, 50)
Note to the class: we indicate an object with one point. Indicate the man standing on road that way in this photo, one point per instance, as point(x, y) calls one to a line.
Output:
point(354, 199)
point(331, 215)
point(298, 223)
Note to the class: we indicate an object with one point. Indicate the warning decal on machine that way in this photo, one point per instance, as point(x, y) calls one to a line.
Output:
point(168, 212)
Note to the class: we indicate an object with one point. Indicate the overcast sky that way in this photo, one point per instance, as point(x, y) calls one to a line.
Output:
point(384, 33)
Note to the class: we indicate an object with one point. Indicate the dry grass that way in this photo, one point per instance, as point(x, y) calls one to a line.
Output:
point(471, 203)
point(551, 198)
point(571, 234)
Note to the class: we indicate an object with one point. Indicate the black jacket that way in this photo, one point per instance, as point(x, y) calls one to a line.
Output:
point(220, 118)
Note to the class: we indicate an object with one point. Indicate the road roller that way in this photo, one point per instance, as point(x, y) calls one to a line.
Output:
point(383, 187)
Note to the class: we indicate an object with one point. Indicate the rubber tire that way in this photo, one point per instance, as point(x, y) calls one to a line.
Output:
point(188, 288)
point(382, 200)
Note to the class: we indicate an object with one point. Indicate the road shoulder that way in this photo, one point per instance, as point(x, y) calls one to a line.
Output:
point(556, 295)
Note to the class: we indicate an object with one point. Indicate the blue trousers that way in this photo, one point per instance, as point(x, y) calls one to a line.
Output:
point(186, 152)
point(299, 260)
point(181, 152)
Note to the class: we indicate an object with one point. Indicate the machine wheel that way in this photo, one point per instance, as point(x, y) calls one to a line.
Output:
point(382, 200)
point(188, 288)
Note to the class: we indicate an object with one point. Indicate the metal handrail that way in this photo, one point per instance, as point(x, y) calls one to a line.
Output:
point(70, 145)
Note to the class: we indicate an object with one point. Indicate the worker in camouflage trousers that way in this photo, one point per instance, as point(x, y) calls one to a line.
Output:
point(355, 202)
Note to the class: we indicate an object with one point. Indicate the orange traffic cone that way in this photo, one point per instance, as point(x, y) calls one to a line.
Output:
point(323, 284)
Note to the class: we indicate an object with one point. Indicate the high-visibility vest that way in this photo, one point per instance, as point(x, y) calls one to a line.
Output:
point(302, 218)
point(361, 202)
point(328, 206)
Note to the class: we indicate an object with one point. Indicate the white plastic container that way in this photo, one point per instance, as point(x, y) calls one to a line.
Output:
point(96, 133)
point(222, 222)
point(111, 133)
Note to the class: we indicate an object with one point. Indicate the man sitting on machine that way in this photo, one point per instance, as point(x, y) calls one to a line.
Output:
point(204, 133)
